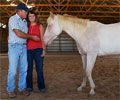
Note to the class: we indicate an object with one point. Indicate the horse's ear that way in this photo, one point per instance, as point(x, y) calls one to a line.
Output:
point(51, 14)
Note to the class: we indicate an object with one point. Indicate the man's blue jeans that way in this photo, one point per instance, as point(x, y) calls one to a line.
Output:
point(35, 54)
point(17, 57)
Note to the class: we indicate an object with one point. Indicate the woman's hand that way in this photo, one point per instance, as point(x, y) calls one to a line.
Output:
point(43, 53)
point(35, 38)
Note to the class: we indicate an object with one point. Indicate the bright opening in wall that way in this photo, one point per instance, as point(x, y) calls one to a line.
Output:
point(2, 25)
point(8, 0)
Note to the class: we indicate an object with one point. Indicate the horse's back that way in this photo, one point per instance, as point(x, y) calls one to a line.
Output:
point(109, 39)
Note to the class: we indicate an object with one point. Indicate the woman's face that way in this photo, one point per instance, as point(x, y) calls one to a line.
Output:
point(31, 17)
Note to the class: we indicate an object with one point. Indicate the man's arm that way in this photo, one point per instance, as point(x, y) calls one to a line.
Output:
point(25, 36)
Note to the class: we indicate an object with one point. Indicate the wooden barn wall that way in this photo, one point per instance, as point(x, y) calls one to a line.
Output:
point(3, 40)
point(62, 43)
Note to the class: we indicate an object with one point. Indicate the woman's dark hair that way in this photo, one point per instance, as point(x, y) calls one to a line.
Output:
point(36, 18)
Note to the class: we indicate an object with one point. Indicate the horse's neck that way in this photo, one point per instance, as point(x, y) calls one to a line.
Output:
point(72, 29)
point(66, 26)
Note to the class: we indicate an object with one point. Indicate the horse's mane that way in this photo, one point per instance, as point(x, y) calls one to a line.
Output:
point(78, 24)
point(73, 19)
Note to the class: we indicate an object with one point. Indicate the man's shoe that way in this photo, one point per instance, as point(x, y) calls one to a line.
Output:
point(12, 94)
point(24, 93)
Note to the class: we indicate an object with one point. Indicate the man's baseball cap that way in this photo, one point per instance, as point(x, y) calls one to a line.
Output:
point(23, 7)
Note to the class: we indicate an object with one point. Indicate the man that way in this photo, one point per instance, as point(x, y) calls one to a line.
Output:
point(17, 50)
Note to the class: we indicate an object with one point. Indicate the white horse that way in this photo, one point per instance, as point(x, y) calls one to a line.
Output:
point(92, 38)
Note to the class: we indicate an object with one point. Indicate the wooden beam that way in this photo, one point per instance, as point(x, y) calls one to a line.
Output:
point(88, 16)
point(97, 12)
point(70, 5)
point(80, 11)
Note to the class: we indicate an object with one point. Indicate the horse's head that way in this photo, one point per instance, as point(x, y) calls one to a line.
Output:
point(53, 29)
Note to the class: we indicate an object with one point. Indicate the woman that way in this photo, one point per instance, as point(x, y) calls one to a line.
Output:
point(35, 51)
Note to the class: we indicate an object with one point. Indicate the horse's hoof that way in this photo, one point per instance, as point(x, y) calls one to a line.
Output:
point(79, 89)
point(91, 95)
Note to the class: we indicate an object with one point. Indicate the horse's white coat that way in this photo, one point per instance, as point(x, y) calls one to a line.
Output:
point(92, 38)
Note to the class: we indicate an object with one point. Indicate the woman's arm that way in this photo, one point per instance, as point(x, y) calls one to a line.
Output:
point(41, 34)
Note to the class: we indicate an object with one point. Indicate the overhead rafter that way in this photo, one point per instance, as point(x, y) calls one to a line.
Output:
point(71, 5)
point(92, 9)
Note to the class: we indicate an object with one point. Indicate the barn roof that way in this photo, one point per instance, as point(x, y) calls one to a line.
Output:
point(105, 11)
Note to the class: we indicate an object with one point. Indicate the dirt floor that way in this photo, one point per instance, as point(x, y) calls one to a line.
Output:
point(63, 74)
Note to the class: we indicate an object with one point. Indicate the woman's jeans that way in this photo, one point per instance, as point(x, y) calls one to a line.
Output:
point(35, 54)
point(17, 57)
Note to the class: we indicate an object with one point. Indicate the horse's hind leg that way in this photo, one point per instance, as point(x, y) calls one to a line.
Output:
point(91, 58)
point(84, 61)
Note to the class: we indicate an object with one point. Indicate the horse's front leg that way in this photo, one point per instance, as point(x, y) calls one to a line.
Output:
point(84, 61)
point(91, 58)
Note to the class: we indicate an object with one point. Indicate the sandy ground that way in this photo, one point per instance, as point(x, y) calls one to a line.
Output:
point(63, 74)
